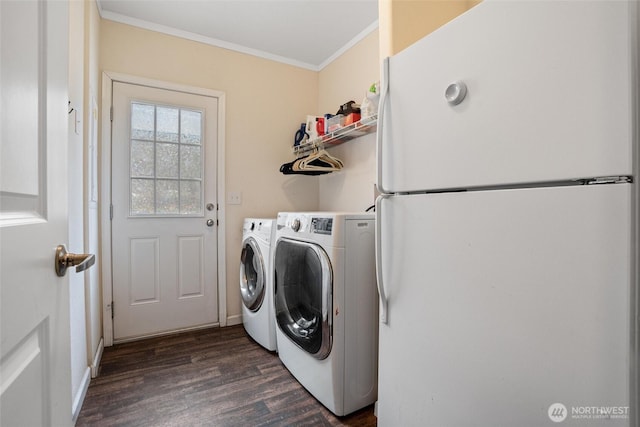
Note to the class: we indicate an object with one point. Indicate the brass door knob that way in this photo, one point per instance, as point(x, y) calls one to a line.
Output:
point(65, 260)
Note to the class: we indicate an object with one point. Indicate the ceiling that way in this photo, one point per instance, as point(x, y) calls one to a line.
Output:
point(305, 33)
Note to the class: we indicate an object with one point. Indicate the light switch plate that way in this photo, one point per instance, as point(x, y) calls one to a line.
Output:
point(234, 198)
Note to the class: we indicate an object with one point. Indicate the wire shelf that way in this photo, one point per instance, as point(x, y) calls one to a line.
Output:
point(354, 130)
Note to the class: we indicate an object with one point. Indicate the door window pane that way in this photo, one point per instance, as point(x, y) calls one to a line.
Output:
point(190, 161)
point(142, 197)
point(166, 164)
point(142, 121)
point(191, 127)
point(167, 160)
point(190, 197)
point(167, 197)
point(142, 158)
point(167, 124)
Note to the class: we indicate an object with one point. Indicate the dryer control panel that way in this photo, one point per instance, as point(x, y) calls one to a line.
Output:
point(322, 225)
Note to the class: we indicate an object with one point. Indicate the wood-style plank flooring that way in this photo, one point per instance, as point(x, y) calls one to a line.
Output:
point(210, 377)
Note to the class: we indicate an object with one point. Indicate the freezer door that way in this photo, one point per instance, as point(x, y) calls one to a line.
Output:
point(549, 97)
point(503, 303)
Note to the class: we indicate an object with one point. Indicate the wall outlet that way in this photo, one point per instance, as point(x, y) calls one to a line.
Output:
point(234, 198)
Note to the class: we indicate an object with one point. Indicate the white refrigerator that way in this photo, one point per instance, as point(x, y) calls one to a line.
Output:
point(507, 248)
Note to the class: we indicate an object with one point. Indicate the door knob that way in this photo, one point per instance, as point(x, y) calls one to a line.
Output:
point(65, 260)
point(210, 222)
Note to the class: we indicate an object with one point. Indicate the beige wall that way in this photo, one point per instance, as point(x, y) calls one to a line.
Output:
point(403, 22)
point(267, 100)
point(264, 102)
point(348, 78)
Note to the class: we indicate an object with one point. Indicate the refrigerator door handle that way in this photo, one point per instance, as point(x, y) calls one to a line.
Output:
point(378, 249)
point(379, 135)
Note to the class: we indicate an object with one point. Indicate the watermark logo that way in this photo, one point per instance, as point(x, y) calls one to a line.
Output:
point(557, 412)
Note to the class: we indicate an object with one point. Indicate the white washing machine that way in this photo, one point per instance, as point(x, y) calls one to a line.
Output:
point(326, 305)
point(256, 277)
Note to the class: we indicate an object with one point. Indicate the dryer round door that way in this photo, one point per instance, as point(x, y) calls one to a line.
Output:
point(303, 295)
point(252, 275)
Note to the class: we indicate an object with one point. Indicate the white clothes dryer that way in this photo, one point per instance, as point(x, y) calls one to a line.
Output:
point(256, 287)
point(326, 305)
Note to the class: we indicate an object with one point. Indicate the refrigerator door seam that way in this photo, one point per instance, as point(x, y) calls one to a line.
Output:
point(525, 185)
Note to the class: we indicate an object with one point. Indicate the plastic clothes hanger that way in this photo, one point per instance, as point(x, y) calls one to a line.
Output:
point(312, 162)
point(319, 160)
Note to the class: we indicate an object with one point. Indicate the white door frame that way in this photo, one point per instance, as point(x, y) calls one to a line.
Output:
point(105, 191)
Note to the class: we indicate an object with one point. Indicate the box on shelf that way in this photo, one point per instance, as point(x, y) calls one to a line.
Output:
point(334, 123)
point(351, 118)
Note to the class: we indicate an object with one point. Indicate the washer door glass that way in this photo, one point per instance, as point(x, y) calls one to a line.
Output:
point(252, 275)
point(303, 295)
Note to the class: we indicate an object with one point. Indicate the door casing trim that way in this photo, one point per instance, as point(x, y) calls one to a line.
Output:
point(108, 78)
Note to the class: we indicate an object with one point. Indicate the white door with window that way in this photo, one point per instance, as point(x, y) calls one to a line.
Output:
point(35, 373)
point(164, 226)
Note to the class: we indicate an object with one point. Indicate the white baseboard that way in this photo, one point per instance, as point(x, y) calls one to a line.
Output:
point(95, 365)
point(234, 320)
point(78, 399)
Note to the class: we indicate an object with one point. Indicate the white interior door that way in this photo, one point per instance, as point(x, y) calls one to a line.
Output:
point(35, 384)
point(164, 232)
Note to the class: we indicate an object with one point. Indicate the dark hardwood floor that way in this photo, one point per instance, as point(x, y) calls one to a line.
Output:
point(210, 377)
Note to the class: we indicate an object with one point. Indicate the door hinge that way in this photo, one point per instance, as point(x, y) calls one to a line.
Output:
point(112, 310)
point(111, 113)
point(111, 212)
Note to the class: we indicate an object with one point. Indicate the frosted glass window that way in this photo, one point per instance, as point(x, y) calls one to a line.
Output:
point(166, 161)
point(167, 124)
point(191, 127)
point(190, 196)
point(142, 158)
point(190, 161)
point(142, 197)
point(142, 121)
point(167, 197)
